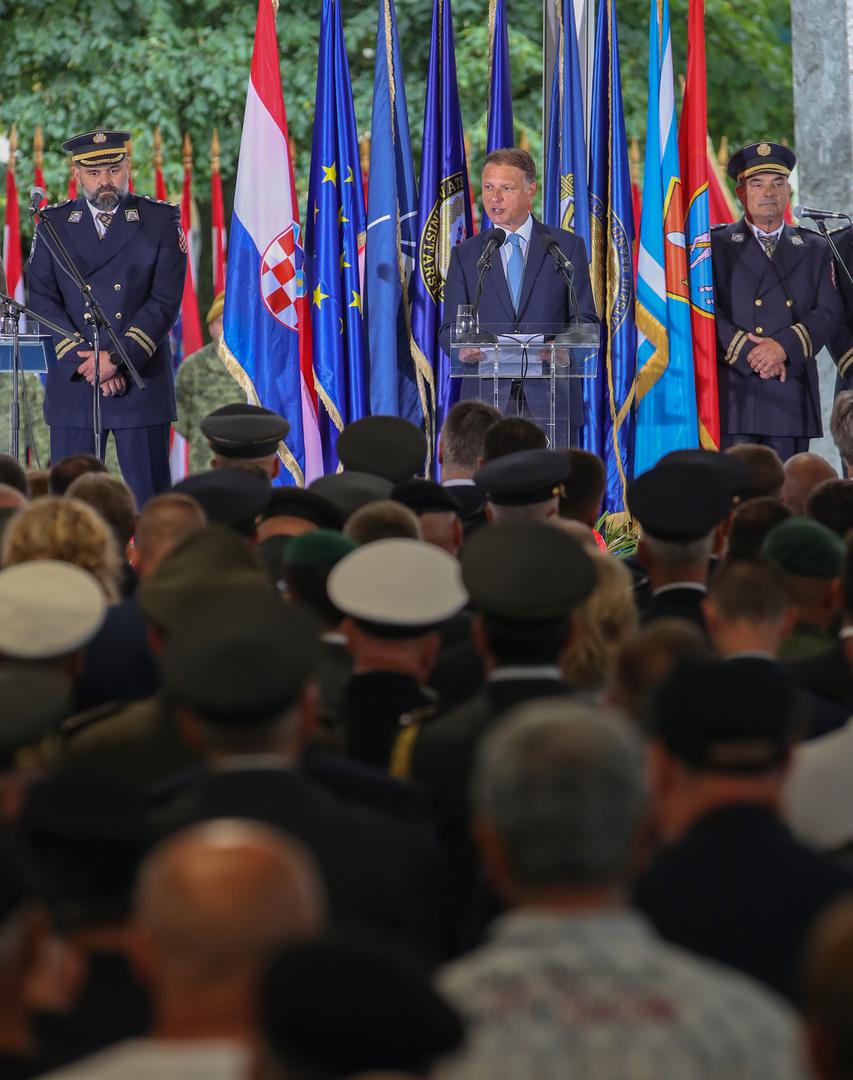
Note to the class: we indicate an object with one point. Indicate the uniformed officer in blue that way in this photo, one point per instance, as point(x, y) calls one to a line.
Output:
point(132, 251)
point(777, 305)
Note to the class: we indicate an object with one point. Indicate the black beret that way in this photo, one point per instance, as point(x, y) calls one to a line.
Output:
point(228, 496)
point(349, 491)
point(735, 716)
point(761, 157)
point(526, 571)
point(244, 431)
point(425, 497)
point(384, 446)
point(678, 502)
point(342, 1007)
point(306, 505)
point(239, 659)
point(524, 477)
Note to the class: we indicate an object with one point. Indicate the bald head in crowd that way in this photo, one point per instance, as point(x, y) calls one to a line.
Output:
point(11, 497)
point(164, 522)
point(212, 904)
point(803, 473)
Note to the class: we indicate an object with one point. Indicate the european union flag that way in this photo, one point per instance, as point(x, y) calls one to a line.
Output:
point(397, 386)
point(335, 241)
point(444, 211)
point(609, 423)
point(500, 129)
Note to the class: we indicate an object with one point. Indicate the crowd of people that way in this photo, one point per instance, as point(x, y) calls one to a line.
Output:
point(394, 777)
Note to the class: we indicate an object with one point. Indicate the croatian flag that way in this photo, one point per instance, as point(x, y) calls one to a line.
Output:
point(266, 340)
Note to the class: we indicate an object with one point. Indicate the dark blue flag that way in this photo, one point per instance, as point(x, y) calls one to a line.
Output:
point(397, 386)
point(500, 130)
point(609, 423)
point(444, 212)
point(335, 242)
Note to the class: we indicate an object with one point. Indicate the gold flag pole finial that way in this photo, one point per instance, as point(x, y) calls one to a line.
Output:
point(723, 152)
point(524, 141)
point(364, 152)
point(187, 152)
point(38, 147)
point(634, 156)
point(13, 146)
point(214, 152)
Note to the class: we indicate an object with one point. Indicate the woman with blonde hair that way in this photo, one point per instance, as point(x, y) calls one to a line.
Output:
point(602, 622)
point(69, 530)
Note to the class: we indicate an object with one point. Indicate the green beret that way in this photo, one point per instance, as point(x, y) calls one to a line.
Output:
point(320, 546)
point(804, 548)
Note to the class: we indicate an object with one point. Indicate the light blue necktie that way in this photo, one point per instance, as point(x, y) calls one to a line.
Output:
point(514, 268)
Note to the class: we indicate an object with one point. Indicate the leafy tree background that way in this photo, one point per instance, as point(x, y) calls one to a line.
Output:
point(183, 64)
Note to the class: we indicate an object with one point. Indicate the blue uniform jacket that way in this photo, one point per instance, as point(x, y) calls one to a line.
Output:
point(791, 298)
point(841, 344)
point(137, 274)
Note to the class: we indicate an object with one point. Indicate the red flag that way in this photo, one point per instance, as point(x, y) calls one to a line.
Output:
point(693, 152)
point(38, 159)
point(722, 208)
point(217, 212)
point(72, 187)
point(12, 262)
point(190, 323)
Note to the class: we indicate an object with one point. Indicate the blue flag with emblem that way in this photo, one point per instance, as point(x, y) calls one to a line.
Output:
point(335, 243)
point(397, 386)
point(566, 197)
point(609, 421)
point(500, 129)
point(444, 213)
point(666, 392)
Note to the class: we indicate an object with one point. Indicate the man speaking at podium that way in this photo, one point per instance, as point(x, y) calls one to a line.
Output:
point(524, 289)
point(132, 252)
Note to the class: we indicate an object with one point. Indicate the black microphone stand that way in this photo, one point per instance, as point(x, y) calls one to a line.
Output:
point(836, 254)
point(11, 316)
point(94, 316)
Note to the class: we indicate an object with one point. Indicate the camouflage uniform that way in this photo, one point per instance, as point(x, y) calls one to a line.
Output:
point(203, 384)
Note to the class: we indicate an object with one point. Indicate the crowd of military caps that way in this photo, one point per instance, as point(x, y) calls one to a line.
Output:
point(386, 776)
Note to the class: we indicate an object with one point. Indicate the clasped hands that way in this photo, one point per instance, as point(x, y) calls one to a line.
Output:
point(112, 384)
point(767, 359)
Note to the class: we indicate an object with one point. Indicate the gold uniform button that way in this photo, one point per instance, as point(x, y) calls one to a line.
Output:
point(117, 287)
point(758, 303)
point(759, 329)
point(118, 314)
point(789, 303)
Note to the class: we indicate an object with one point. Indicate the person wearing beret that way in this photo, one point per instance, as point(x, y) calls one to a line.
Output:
point(730, 882)
point(202, 384)
point(133, 253)
point(776, 305)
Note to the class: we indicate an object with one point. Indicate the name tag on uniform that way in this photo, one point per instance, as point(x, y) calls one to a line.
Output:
point(131, 215)
point(75, 216)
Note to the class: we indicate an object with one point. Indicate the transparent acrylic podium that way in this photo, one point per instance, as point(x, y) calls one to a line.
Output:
point(530, 372)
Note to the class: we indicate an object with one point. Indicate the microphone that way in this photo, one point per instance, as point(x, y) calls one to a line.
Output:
point(37, 195)
point(492, 244)
point(562, 260)
point(816, 215)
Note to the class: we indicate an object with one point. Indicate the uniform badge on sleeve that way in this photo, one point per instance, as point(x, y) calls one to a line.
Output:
point(75, 216)
point(798, 240)
point(738, 237)
point(131, 215)
point(182, 240)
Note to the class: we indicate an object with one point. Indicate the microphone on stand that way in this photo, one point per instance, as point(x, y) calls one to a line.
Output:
point(817, 215)
point(483, 263)
point(37, 197)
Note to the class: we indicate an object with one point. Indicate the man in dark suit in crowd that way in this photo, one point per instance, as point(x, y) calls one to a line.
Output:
point(524, 289)
point(777, 305)
point(133, 253)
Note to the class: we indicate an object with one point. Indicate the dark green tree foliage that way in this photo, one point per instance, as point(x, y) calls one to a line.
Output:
point(183, 64)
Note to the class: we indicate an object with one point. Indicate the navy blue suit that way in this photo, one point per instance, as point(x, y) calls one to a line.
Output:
point(544, 296)
point(841, 343)
point(137, 273)
point(791, 298)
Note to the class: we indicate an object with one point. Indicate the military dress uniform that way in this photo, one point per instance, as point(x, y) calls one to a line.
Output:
point(136, 271)
point(789, 295)
point(202, 384)
point(841, 343)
